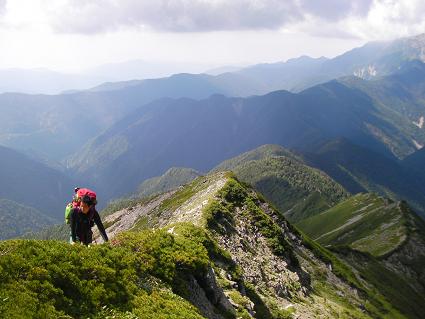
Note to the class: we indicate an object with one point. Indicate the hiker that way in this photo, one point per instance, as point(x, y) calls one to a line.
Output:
point(84, 216)
point(68, 209)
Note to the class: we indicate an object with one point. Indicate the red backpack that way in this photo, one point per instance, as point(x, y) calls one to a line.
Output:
point(87, 192)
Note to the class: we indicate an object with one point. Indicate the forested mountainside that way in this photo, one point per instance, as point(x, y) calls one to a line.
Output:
point(17, 220)
point(296, 189)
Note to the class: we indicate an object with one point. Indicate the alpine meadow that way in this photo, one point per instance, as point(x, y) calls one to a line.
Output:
point(212, 159)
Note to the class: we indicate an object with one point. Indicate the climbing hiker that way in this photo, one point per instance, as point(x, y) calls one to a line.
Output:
point(84, 216)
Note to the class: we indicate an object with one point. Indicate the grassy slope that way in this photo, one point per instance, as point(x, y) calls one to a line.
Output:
point(364, 222)
point(370, 233)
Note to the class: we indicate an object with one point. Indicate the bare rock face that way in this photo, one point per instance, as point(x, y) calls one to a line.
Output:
point(268, 272)
point(209, 296)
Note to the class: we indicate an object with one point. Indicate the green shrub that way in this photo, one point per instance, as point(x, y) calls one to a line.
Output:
point(134, 273)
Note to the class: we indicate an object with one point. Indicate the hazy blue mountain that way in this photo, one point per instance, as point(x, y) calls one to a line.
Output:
point(292, 75)
point(189, 85)
point(201, 134)
point(377, 59)
point(373, 60)
point(223, 69)
point(141, 69)
point(56, 126)
point(31, 183)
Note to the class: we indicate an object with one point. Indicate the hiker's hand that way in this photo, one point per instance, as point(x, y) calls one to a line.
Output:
point(72, 242)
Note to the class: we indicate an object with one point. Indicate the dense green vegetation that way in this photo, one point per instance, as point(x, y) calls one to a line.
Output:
point(139, 273)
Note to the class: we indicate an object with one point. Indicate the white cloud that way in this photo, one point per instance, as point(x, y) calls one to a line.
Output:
point(385, 20)
point(94, 16)
point(75, 34)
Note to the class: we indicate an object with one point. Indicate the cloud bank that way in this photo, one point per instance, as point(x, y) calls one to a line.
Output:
point(97, 16)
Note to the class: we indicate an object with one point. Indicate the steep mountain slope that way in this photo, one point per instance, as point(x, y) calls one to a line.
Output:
point(364, 222)
point(201, 134)
point(33, 184)
point(359, 169)
point(385, 240)
point(296, 189)
point(17, 220)
point(377, 59)
point(399, 99)
point(278, 268)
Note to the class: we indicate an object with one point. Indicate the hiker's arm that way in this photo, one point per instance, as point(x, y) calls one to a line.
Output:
point(73, 222)
point(99, 225)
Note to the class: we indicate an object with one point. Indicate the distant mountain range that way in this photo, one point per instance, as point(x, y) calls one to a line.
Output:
point(200, 134)
point(55, 127)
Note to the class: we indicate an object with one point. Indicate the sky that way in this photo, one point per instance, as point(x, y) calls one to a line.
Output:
point(74, 35)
